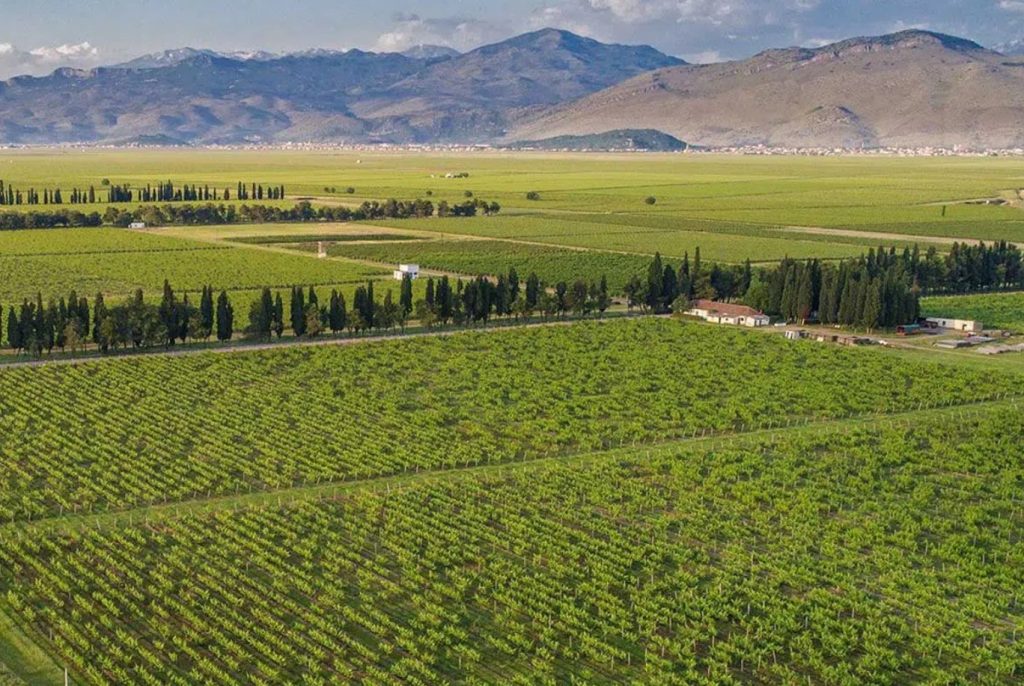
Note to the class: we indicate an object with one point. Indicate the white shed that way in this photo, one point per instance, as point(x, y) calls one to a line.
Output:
point(410, 270)
point(137, 225)
point(962, 325)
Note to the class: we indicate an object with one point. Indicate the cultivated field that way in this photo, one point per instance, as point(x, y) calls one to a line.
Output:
point(790, 551)
point(628, 500)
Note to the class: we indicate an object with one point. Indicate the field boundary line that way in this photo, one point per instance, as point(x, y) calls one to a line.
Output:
point(302, 493)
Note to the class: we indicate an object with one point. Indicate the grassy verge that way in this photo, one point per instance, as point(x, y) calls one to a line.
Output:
point(22, 661)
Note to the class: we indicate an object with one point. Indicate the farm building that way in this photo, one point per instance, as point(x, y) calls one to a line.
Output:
point(137, 225)
point(728, 313)
point(963, 325)
point(410, 270)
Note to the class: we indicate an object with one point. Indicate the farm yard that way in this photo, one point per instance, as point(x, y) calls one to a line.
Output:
point(627, 499)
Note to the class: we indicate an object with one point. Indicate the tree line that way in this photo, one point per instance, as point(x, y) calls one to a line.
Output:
point(213, 214)
point(165, 191)
point(71, 324)
point(878, 289)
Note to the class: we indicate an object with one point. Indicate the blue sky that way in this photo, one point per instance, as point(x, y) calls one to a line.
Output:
point(37, 37)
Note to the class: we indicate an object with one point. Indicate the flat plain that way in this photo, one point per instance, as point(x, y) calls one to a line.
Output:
point(624, 501)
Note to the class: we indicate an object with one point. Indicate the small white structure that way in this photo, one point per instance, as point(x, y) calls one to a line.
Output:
point(962, 325)
point(728, 313)
point(137, 225)
point(410, 270)
point(321, 250)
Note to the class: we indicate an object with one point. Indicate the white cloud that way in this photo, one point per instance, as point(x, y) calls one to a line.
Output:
point(66, 52)
point(44, 59)
point(706, 57)
point(410, 30)
point(1012, 5)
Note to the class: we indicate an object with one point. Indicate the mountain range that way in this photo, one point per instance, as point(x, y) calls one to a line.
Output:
point(913, 88)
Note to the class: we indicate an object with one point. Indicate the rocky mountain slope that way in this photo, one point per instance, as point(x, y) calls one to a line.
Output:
point(913, 88)
point(200, 96)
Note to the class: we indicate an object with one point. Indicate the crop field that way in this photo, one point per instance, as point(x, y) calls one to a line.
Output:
point(44, 242)
point(996, 310)
point(496, 257)
point(227, 268)
point(106, 435)
point(583, 232)
point(634, 499)
point(926, 197)
point(885, 555)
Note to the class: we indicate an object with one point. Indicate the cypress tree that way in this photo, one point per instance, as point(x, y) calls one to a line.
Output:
point(804, 296)
point(13, 329)
point(278, 315)
point(206, 312)
point(225, 318)
point(297, 311)
point(655, 276)
point(169, 313)
point(370, 317)
point(872, 310)
point(405, 297)
point(431, 295)
point(98, 315)
point(532, 290)
point(669, 287)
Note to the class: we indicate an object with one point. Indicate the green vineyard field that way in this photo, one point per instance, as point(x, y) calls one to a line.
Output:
point(885, 555)
point(126, 433)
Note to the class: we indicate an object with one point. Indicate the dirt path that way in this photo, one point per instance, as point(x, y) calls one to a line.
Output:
point(853, 233)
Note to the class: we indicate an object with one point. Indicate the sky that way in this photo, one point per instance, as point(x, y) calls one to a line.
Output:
point(39, 36)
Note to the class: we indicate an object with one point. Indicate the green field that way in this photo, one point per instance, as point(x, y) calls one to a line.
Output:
point(996, 310)
point(633, 500)
point(714, 193)
point(515, 536)
point(496, 257)
point(115, 273)
point(106, 438)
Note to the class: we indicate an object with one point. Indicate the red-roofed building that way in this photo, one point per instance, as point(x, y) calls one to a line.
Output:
point(728, 313)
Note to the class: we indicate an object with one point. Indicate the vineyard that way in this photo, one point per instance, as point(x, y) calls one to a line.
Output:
point(580, 232)
point(886, 555)
point(618, 500)
point(120, 274)
point(34, 242)
point(496, 257)
point(114, 435)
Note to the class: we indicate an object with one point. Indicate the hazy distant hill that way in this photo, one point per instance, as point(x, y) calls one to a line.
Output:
point(622, 139)
point(205, 97)
point(913, 88)
point(430, 52)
